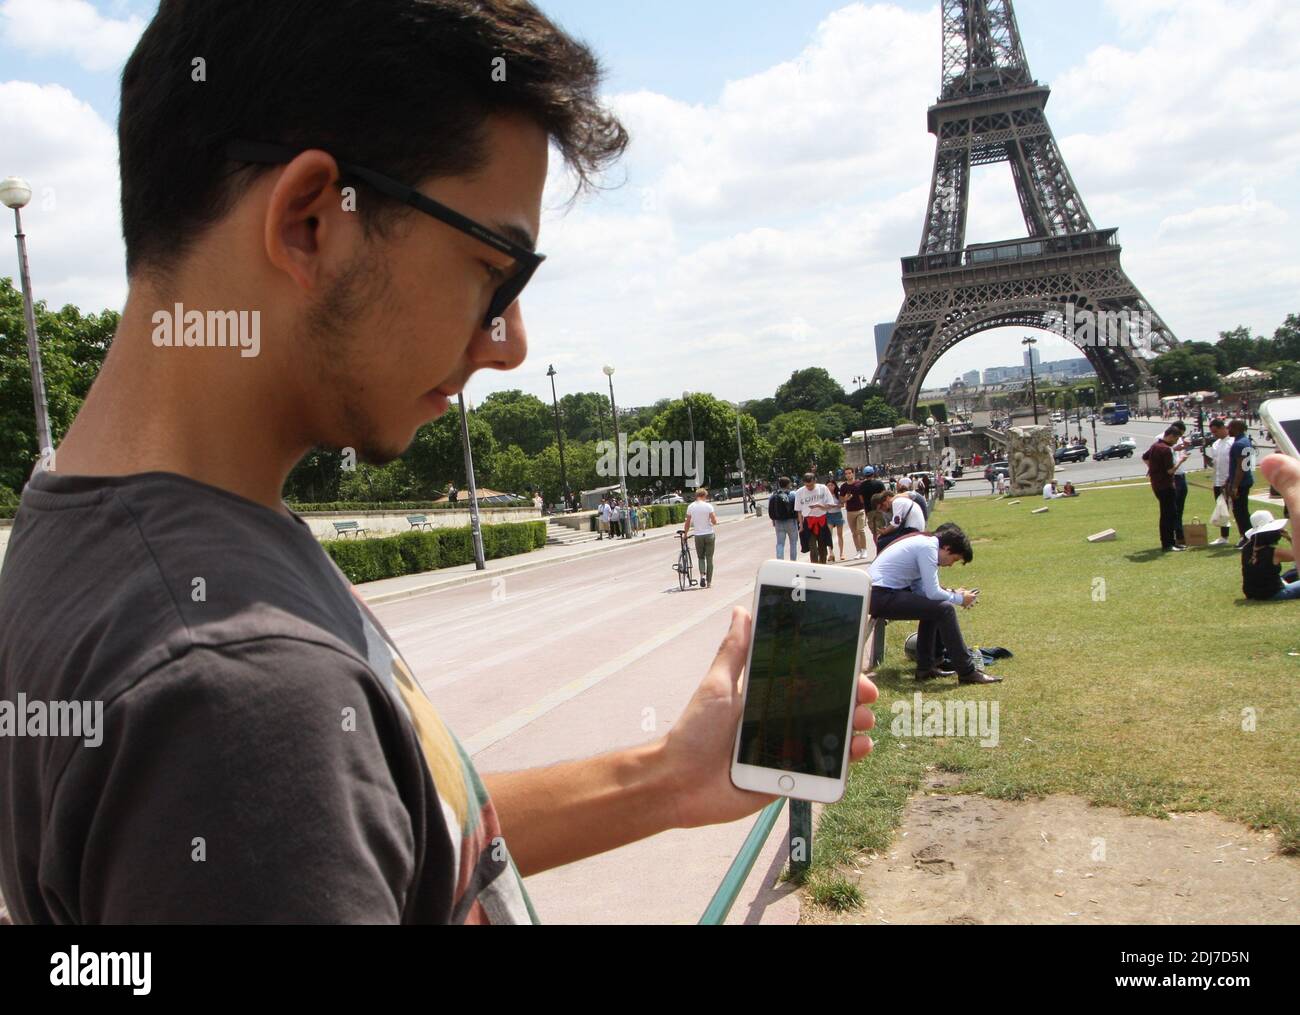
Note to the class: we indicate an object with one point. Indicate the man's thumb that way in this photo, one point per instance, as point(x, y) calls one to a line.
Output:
point(734, 649)
point(1283, 474)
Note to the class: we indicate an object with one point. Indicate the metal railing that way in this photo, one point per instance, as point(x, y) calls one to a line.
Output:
point(799, 844)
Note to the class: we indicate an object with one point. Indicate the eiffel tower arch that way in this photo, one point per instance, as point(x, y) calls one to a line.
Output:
point(1063, 276)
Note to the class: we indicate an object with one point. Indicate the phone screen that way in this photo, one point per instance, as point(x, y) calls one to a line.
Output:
point(802, 677)
point(1292, 428)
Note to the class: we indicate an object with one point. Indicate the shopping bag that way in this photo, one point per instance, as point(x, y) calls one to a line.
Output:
point(1196, 533)
point(1222, 517)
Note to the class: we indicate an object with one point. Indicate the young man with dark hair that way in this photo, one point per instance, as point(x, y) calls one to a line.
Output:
point(366, 175)
point(1218, 456)
point(905, 586)
point(814, 503)
point(785, 519)
point(1160, 471)
point(1241, 476)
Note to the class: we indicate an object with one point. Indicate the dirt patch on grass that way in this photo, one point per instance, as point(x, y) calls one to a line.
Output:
point(971, 860)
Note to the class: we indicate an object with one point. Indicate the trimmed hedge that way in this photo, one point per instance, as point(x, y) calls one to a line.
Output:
point(667, 514)
point(344, 508)
point(372, 560)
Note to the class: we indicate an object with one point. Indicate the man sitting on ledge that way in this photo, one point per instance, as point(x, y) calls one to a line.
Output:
point(905, 586)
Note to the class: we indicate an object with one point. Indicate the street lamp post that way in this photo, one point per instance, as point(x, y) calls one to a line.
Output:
point(480, 563)
point(618, 443)
point(861, 383)
point(1029, 343)
point(15, 193)
point(559, 436)
point(690, 415)
point(740, 450)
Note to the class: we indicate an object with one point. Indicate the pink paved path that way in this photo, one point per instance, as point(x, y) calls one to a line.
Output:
point(561, 663)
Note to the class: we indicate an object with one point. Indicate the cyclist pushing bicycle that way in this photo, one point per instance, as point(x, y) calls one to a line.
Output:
point(702, 518)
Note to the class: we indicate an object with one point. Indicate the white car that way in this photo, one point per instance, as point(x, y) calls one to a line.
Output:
point(1129, 442)
point(671, 498)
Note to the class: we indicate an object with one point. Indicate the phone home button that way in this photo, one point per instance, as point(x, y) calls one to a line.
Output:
point(786, 783)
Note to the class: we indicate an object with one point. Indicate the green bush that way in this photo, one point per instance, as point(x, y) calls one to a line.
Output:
point(667, 514)
point(349, 507)
point(370, 560)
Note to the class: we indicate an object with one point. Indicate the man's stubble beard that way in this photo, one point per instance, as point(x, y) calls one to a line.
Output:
point(340, 344)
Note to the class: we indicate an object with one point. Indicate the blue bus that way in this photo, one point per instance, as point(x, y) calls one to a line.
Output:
point(1115, 414)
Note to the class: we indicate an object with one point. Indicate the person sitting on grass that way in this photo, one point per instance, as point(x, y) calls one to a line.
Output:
point(1262, 559)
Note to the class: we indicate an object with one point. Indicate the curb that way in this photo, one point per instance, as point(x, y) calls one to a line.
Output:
point(473, 577)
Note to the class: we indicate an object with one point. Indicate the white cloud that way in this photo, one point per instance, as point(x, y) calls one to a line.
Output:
point(761, 232)
point(71, 28)
point(68, 154)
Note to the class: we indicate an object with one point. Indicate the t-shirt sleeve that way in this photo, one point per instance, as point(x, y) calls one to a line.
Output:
point(261, 784)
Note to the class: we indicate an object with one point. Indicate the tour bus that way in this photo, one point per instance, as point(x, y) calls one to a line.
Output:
point(1115, 414)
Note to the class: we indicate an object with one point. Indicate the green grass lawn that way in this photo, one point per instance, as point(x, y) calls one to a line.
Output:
point(1132, 675)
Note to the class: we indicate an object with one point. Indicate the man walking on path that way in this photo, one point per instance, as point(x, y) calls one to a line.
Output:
point(704, 520)
point(785, 520)
point(1218, 457)
point(1160, 470)
point(814, 503)
point(1241, 476)
point(905, 586)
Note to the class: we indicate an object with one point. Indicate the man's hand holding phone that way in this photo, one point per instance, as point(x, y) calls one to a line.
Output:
point(969, 597)
point(696, 756)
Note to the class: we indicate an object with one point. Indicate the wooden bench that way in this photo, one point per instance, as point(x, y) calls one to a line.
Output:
point(344, 529)
point(420, 522)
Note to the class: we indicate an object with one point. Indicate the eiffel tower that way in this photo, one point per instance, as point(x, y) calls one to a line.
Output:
point(1064, 276)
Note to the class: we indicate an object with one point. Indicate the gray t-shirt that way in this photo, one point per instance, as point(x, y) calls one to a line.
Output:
point(265, 754)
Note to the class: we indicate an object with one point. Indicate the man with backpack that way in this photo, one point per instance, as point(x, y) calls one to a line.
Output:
point(785, 519)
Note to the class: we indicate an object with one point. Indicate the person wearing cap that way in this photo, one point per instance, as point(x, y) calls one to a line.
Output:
point(1262, 559)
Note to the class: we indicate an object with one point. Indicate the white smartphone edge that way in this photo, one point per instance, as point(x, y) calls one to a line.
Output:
point(1274, 413)
point(815, 789)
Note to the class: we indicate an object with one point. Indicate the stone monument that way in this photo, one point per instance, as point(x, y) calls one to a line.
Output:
point(1032, 459)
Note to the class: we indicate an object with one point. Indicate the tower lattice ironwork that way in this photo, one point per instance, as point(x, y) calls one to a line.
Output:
point(1063, 276)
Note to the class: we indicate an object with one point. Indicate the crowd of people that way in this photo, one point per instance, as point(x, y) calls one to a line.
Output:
point(1232, 456)
point(887, 519)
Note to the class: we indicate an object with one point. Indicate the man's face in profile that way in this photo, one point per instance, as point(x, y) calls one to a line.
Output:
point(400, 331)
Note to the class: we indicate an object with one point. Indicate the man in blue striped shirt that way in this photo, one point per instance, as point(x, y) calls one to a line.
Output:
point(905, 586)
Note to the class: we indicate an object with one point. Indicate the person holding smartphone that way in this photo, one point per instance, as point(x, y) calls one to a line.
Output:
point(905, 586)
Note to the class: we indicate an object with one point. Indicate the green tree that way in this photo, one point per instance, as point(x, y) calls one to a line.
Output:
point(512, 471)
point(797, 447)
point(764, 410)
point(1180, 372)
point(877, 414)
point(813, 390)
point(519, 419)
point(585, 416)
point(73, 346)
point(437, 456)
point(377, 484)
point(1286, 340)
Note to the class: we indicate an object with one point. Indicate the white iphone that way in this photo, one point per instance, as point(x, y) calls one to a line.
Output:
point(1282, 416)
point(801, 683)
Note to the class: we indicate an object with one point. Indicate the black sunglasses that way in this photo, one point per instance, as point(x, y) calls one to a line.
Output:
point(526, 261)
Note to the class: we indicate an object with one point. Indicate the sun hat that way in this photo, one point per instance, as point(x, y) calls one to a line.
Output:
point(1264, 523)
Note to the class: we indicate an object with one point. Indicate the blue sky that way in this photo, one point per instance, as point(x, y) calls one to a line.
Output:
point(778, 172)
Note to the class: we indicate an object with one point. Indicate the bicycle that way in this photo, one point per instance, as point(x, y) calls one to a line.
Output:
point(683, 567)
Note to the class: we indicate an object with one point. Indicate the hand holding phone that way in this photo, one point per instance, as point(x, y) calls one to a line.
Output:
point(795, 733)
